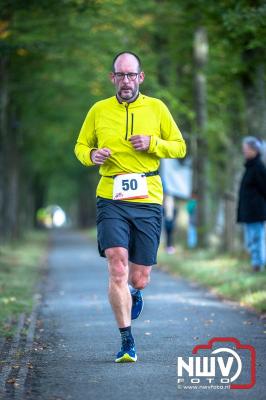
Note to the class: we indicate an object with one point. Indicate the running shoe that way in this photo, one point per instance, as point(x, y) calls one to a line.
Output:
point(127, 353)
point(137, 304)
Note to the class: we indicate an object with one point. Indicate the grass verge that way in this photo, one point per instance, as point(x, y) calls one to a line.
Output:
point(228, 276)
point(19, 271)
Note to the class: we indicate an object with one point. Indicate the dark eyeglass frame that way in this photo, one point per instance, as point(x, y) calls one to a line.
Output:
point(131, 76)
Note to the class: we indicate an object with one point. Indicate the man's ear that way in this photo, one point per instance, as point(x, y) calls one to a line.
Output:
point(141, 77)
point(112, 77)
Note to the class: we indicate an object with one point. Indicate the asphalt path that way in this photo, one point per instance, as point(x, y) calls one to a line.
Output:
point(76, 337)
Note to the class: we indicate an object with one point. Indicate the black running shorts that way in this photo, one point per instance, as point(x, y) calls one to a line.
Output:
point(134, 226)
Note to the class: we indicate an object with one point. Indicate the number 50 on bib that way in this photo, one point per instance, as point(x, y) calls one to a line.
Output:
point(130, 186)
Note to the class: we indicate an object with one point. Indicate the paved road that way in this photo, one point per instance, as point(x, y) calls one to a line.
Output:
point(78, 338)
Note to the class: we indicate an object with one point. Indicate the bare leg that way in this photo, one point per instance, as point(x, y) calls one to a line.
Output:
point(119, 295)
point(139, 275)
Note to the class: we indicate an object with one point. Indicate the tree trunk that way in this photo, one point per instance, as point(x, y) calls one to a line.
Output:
point(39, 196)
point(12, 197)
point(86, 203)
point(83, 209)
point(229, 234)
point(26, 205)
point(253, 82)
point(200, 159)
point(4, 100)
point(13, 171)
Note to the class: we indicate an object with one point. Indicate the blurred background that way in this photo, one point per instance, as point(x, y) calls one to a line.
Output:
point(204, 59)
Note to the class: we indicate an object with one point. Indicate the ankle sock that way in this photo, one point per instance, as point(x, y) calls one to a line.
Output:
point(126, 334)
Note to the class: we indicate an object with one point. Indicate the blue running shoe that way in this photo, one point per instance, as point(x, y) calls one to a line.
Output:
point(137, 304)
point(127, 353)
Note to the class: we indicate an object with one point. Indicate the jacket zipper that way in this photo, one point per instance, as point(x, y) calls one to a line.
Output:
point(126, 121)
point(132, 124)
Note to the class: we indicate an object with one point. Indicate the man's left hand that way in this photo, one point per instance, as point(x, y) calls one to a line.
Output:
point(140, 142)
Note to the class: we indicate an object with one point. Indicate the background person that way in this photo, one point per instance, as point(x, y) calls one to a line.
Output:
point(192, 235)
point(252, 203)
point(170, 214)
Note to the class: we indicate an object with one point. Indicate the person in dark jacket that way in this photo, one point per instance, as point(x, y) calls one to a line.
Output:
point(252, 203)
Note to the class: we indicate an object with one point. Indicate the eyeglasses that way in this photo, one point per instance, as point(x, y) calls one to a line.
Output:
point(130, 75)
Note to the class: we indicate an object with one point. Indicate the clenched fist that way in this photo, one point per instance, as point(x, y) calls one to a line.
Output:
point(99, 156)
point(140, 142)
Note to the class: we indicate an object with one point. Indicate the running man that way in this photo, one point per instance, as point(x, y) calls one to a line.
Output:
point(126, 135)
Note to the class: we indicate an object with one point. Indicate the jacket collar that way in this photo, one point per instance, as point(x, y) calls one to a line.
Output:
point(252, 161)
point(138, 101)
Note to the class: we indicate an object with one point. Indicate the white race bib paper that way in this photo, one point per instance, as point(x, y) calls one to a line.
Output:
point(130, 186)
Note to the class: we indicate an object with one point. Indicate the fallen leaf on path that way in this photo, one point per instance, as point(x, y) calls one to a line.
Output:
point(11, 380)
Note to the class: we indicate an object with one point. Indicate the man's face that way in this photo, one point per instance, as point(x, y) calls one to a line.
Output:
point(127, 87)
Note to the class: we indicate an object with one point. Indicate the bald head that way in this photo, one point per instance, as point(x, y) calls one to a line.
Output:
point(127, 59)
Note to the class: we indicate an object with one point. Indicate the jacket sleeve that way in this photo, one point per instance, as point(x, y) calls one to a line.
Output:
point(171, 143)
point(87, 140)
point(260, 176)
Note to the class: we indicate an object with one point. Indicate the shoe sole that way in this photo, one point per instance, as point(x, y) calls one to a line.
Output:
point(126, 358)
point(132, 319)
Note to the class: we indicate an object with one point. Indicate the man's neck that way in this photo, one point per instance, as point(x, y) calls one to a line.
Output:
point(121, 100)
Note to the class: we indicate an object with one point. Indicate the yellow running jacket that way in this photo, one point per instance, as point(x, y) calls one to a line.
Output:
point(110, 124)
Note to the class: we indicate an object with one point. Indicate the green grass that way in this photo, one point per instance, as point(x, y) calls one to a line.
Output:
point(230, 277)
point(19, 271)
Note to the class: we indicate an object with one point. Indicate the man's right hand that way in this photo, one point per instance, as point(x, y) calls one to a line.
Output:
point(99, 156)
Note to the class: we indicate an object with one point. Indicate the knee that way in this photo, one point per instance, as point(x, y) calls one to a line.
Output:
point(140, 280)
point(117, 255)
point(118, 268)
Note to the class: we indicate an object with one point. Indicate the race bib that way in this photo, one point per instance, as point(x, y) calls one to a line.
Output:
point(130, 186)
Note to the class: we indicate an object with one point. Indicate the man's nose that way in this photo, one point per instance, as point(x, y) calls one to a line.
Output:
point(125, 77)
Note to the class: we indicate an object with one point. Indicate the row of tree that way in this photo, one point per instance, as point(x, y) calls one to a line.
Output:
point(206, 60)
